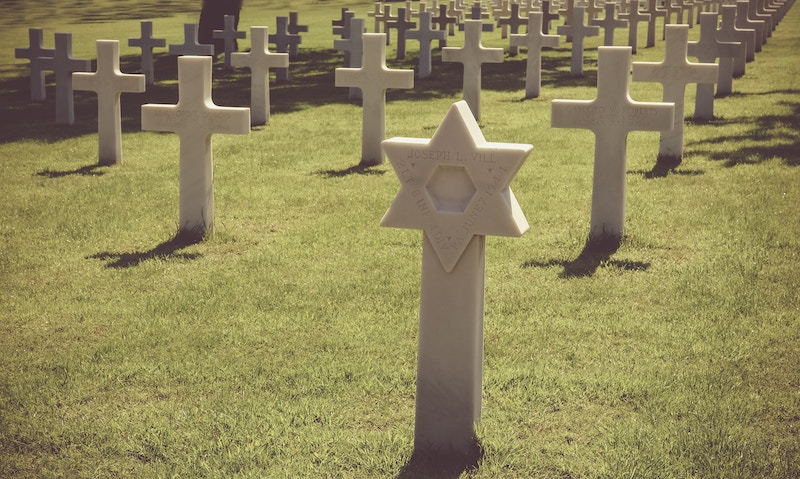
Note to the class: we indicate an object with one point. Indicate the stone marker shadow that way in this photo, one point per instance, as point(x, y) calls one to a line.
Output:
point(441, 467)
point(370, 170)
point(596, 253)
point(166, 250)
point(665, 167)
point(88, 170)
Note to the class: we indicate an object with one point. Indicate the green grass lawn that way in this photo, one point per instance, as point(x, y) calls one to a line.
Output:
point(285, 345)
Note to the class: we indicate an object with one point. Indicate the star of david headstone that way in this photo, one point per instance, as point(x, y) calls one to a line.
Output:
point(455, 188)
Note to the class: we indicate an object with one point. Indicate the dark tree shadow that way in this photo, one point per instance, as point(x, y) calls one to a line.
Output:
point(596, 253)
point(166, 250)
point(353, 170)
point(423, 466)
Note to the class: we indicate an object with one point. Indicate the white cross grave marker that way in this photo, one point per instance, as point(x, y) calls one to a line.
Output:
point(259, 60)
point(445, 20)
point(472, 55)
point(534, 41)
point(744, 22)
point(294, 28)
point(109, 83)
point(674, 73)
point(609, 23)
point(229, 35)
point(634, 16)
point(728, 32)
point(401, 24)
point(611, 116)
point(64, 65)
point(34, 53)
point(284, 42)
point(353, 47)
point(195, 118)
point(707, 49)
point(454, 187)
point(146, 42)
point(190, 45)
point(373, 78)
point(578, 31)
point(654, 11)
point(548, 16)
point(425, 35)
point(512, 22)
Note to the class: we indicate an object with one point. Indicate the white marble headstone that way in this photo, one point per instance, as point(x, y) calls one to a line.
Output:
point(35, 52)
point(611, 116)
point(259, 60)
point(109, 83)
point(64, 66)
point(472, 55)
point(147, 43)
point(195, 118)
point(455, 188)
point(534, 41)
point(373, 78)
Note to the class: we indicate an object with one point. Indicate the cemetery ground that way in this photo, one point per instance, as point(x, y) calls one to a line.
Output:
point(285, 345)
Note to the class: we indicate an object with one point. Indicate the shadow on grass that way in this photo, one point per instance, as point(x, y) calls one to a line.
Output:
point(422, 466)
point(166, 250)
point(665, 166)
point(767, 137)
point(596, 253)
point(353, 170)
point(88, 170)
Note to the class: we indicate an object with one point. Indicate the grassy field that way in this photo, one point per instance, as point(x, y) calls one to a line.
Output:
point(285, 345)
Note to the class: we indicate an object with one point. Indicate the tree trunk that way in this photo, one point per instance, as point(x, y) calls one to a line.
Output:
point(212, 17)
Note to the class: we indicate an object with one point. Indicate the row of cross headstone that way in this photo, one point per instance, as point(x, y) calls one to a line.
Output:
point(454, 186)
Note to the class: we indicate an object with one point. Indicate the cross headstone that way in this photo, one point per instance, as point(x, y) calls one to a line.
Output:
point(472, 55)
point(744, 22)
point(609, 23)
point(688, 7)
point(477, 14)
point(634, 16)
point(503, 11)
point(592, 9)
point(340, 26)
point(728, 32)
point(34, 53)
point(294, 28)
point(454, 11)
point(146, 42)
point(283, 41)
point(402, 25)
point(578, 30)
point(611, 116)
point(444, 20)
point(195, 118)
point(674, 73)
point(548, 16)
point(513, 21)
point(755, 14)
point(534, 41)
point(707, 49)
point(654, 11)
point(373, 78)
point(385, 18)
point(259, 60)
point(109, 83)
point(190, 45)
point(455, 188)
point(376, 14)
point(64, 65)
point(229, 35)
point(353, 47)
point(425, 35)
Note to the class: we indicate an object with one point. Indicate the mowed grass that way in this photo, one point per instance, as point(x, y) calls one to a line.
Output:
point(285, 345)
